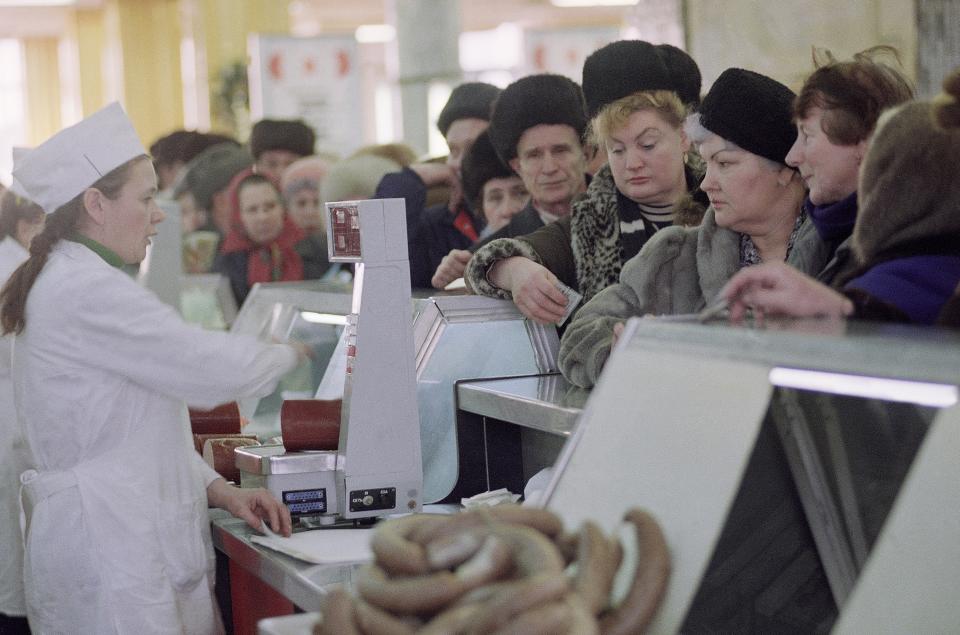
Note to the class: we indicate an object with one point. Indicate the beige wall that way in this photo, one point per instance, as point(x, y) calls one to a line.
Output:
point(774, 37)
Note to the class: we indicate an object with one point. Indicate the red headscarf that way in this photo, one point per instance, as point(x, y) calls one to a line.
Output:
point(273, 262)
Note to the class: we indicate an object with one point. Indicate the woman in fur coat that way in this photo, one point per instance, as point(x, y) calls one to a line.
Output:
point(743, 131)
point(906, 240)
point(637, 94)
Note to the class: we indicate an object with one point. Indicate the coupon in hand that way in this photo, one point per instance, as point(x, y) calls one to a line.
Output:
point(573, 299)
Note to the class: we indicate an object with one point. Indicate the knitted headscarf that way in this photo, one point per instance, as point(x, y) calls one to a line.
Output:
point(273, 262)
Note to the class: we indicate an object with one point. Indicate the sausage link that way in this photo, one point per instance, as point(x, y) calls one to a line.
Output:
point(453, 621)
point(491, 562)
point(649, 582)
point(393, 549)
point(597, 562)
point(544, 521)
point(548, 619)
point(337, 616)
point(375, 621)
point(409, 596)
point(514, 598)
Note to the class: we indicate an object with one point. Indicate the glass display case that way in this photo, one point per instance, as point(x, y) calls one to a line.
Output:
point(771, 455)
point(310, 312)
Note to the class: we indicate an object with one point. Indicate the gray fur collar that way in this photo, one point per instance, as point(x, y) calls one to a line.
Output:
point(595, 230)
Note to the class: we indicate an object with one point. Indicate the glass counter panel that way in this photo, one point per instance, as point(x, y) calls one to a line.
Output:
point(855, 454)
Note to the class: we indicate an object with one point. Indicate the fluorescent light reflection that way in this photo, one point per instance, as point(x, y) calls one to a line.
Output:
point(323, 318)
point(921, 393)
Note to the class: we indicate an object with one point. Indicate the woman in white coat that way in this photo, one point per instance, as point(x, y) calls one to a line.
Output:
point(117, 537)
point(20, 221)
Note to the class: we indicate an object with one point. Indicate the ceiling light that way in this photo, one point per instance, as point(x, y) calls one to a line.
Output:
point(37, 3)
point(370, 33)
point(592, 3)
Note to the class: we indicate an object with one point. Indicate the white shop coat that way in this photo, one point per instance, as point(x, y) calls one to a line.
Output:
point(117, 535)
point(12, 462)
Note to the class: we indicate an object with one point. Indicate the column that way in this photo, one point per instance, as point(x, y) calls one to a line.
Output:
point(427, 50)
point(147, 33)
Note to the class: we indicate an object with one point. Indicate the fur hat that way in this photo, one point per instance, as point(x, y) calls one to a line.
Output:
point(471, 100)
point(355, 178)
point(531, 101)
point(481, 164)
point(684, 71)
point(909, 187)
point(751, 110)
point(210, 172)
point(281, 134)
point(305, 173)
point(622, 68)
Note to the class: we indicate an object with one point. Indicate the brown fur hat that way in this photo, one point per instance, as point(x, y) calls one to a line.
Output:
point(910, 179)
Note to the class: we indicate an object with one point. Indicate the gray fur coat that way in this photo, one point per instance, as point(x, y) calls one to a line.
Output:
point(678, 271)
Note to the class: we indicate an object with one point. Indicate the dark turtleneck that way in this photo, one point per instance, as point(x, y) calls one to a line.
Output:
point(834, 221)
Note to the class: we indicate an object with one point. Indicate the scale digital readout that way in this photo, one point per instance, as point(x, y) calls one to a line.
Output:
point(305, 502)
point(344, 223)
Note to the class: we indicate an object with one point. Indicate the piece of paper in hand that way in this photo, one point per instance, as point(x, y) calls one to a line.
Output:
point(573, 299)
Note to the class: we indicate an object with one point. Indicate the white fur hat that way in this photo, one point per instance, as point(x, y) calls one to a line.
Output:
point(75, 158)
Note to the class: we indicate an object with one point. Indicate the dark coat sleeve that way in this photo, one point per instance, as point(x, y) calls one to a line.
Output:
point(868, 307)
point(407, 185)
point(434, 237)
point(234, 266)
point(313, 252)
point(552, 244)
point(950, 313)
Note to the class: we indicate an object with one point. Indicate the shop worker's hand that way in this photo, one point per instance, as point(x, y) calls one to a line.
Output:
point(253, 505)
point(534, 289)
point(451, 267)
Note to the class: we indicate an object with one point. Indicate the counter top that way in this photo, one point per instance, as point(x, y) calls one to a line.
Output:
point(302, 583)
point(547, 403)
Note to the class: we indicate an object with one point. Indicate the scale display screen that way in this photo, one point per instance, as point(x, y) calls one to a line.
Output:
point(345, 232)
point(306, 502)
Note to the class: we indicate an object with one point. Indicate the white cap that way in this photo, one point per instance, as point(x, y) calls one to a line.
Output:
point(75, 158)
point(15, 187)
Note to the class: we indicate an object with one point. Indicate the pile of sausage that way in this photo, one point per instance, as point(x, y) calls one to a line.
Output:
point(504, 569)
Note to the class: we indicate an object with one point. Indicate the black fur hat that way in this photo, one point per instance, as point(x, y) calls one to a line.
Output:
point(751, 110)
point(684, 71)
point(471, 100)
point(481, 164)
point(622, 68)
point(531, 101)
point(282, 134)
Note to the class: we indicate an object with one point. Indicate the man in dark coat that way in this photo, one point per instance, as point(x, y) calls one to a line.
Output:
point(434, 231)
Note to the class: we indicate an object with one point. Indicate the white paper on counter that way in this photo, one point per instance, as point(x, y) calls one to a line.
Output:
point(322, 546)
